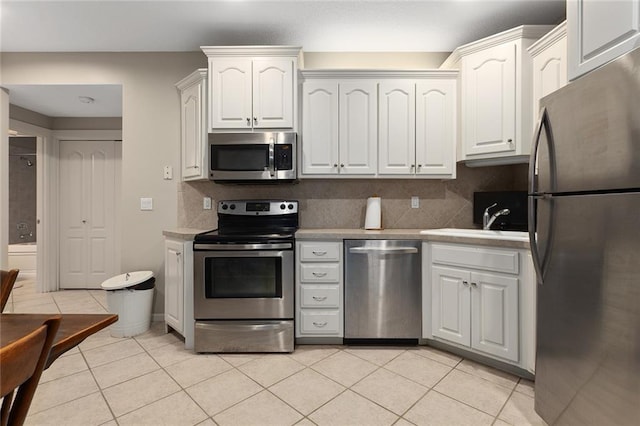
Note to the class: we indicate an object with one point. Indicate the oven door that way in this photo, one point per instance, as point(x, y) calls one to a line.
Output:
point(239, 281)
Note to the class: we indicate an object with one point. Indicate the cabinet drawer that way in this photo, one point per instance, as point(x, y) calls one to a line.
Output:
point(320, 252)
point(325, 273)
point(320, 322)
point(321, 296)
point(507, 261)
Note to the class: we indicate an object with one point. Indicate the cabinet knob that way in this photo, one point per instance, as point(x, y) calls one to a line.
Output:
point(509, 140)
point(255, 120)
point(84, 221)
point(196, 167)
point(413, 166)
point(248, 121)
point(335, 164)
point(474, 284)
point(419, 165)
point(341, 165)
point(465, 283)
point(178, 253)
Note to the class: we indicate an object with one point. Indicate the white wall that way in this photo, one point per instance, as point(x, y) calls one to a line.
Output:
point(150, 133)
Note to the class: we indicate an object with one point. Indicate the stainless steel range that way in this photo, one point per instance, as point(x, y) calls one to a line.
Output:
point(244, 278)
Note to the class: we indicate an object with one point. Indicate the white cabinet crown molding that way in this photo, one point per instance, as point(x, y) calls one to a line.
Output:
point(548, 39)
point(254, 51)
point(517, 33)
point(376, 73)
point(194, 77)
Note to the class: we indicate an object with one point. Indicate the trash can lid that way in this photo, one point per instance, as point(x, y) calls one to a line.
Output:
point(126, 280)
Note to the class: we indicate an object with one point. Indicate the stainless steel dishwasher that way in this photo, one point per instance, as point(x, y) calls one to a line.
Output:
point(382, 290)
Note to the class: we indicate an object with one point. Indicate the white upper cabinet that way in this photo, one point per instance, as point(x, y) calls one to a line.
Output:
point(379, 123)
point(436, 125)
point(549, 64)
point(357, 126)
point(252, 87)
point(600, 31)
point(496, 99)
point(193, 129)
point(489, 101)
point(320, 127)
point(397, 109)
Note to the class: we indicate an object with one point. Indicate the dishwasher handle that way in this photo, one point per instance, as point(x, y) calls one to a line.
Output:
point(383, 250)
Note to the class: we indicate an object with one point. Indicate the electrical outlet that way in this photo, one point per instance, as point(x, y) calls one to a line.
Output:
point(168, 172)
point(206, 203)
point(415, 202)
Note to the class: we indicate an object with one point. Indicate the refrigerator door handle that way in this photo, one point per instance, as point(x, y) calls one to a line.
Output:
point(542, 123)
point(535, 254)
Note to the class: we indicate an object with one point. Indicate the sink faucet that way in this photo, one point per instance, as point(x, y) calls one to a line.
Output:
point(487, 220)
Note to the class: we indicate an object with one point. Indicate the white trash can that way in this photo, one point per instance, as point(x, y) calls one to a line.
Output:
point(130, 296)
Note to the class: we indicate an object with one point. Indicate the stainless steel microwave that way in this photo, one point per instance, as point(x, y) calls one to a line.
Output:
point(252, 157)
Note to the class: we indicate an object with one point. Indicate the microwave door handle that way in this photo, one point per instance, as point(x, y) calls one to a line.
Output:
point(272, 168)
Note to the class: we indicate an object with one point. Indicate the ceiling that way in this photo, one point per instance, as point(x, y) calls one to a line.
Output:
point(316, 25)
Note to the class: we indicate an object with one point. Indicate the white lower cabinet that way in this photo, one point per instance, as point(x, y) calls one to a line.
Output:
point(319, 289)
point(178, 288)
point(477, 298)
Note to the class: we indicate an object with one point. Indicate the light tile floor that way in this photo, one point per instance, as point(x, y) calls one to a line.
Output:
point(151, 379)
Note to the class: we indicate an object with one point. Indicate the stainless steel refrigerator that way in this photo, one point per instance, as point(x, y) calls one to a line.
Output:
point(584, 224)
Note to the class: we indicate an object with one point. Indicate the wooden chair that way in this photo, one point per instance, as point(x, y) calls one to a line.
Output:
point(22, 364)
point(8, 278)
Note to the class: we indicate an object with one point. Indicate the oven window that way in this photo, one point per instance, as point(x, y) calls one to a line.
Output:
point(240, 157)
point(227, 277)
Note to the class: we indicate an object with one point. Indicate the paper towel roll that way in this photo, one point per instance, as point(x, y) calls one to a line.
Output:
point(373, 217)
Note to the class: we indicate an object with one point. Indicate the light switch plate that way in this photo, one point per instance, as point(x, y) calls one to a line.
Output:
point(206, 203)
point(146, 203)
point(415, 202)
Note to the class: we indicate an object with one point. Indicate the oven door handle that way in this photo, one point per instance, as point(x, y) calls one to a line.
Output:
point(227, 247)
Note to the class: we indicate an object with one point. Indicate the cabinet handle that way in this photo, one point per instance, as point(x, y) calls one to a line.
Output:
point(341, 165)
point(474, 284)
point(320, 324)
point(509, 140)
point(413, 166)
point(255, 120)
point(248, 121)
point(335, 164)
point(178, 253)
point(319, 298)
point(319, 253)
point(319, 274)
point(419, 166)
point(465, 283)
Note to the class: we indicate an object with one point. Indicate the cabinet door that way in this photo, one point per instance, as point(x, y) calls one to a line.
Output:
point(600, 31)
point(320, 127)
point(397, 134)
point(358, 127)
point(272, 93)
point(174, 285)
point(230, 100)
point(450, 304)
point(489, 101)
point(436, 127)
point(549, 73)
point(494, 315)
point(194, 131)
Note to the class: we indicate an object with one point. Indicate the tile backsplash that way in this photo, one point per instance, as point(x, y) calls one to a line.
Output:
point(341, 203)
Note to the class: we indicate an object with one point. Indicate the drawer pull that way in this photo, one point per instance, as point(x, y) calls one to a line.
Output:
point(319, 274)
point(320, 298)
point(320, 324)
point(319, 253)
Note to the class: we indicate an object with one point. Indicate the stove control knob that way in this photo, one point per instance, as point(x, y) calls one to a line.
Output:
point(282, 206)
point(232, 206)
point(224, 207)
point(290, 206)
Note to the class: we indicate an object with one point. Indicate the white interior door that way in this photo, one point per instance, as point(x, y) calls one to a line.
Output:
point(87, 201)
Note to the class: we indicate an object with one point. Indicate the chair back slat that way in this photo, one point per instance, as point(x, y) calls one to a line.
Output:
point(22, 364)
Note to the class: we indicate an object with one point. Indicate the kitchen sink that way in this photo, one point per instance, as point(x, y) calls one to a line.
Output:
point(479, 233)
